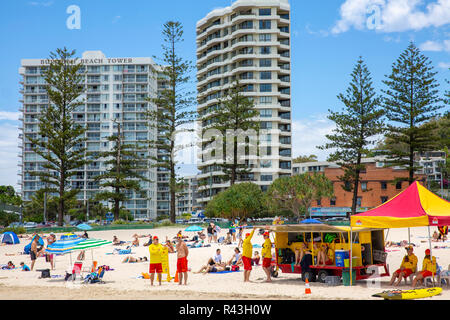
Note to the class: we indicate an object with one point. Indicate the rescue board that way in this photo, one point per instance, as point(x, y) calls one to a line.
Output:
point(408, 294)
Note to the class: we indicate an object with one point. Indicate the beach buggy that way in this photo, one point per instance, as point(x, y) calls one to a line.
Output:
point(368, 251)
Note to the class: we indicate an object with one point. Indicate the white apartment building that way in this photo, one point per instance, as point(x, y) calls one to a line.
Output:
point(116, 89)
point(186, 201)
point(248, 41)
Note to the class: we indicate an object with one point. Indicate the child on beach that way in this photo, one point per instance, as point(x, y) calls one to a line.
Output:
point(24, 267)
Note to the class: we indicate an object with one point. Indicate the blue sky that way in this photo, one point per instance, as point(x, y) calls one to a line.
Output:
point(327, 39)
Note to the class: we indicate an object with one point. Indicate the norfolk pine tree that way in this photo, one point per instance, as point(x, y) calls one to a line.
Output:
point(62, 140)
point(411, 100)
point(126, 170)
point(173, 113)
point(237, 114)
point(356, 127)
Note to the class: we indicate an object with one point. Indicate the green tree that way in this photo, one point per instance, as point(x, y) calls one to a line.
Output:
point(9, 196)
point(62, 140)
point(126, 170)
point(173, 114)
point(297, 193)
point(304, 159)
point(241, 200)
point(411, 100)
point(234, 119)
point(356, 127)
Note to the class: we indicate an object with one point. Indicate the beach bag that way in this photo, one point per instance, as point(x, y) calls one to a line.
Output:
point(235, 268)
point(45, 273)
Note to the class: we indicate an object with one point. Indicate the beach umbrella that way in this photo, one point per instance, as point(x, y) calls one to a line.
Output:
point(193, 229)
point(63, 247)
point(84, 227)
point(69, 236)
point(311, 221)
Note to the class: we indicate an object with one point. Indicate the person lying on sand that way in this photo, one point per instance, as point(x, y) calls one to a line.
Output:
point(212, 266)
point(135, 242)
point(117, 242)
point(130, 259)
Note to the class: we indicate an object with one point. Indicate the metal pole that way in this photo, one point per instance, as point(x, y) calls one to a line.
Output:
point(409, 236)
point(351, 254)
point(45, 204)
point(87, 211)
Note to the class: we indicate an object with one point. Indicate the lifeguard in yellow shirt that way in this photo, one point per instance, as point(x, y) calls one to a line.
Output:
point(266, 254)
point(407, 268)
point(428, 268)
point(247, 252)
point(156, 250)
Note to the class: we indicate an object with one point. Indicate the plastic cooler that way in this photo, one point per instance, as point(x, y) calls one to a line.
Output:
point(340, 256)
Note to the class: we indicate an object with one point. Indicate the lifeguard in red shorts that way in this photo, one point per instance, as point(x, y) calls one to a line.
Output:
point(407, 268)
point(247, 252)
point(428, 268)
point(156, 250)
point(182, 262)
point(266, 254)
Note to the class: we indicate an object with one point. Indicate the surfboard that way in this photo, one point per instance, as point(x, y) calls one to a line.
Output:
point(408, 294)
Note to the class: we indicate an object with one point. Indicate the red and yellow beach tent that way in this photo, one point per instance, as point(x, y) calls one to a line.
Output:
point(414, 207)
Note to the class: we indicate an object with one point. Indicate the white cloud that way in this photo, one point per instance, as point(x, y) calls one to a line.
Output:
point(40, 4)
point(308, 134)
point(392, 15)
point(116, 19)
point(11, 116)
point(9, 142)
point(444, 65)
point(435, 46)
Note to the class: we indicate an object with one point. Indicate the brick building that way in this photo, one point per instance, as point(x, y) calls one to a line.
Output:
point(377, 186)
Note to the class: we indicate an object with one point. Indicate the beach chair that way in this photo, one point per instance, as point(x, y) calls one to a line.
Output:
point(77, 267)
point(95, 277)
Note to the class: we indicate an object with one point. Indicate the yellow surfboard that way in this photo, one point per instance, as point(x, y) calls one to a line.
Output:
point(408, 294)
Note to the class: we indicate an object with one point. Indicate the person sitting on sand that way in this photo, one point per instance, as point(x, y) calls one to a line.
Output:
point(117, 242)
point(428, 268)
point(24, 267)
point(256, 258)
point(435, 236)
point(201, 235)
point(228, 239)
point(407, 268)
point(149, 242)
point(130, 259)
point(236, 259)
point(135, 242)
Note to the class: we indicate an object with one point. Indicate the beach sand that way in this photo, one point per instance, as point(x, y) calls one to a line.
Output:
point(123, 283)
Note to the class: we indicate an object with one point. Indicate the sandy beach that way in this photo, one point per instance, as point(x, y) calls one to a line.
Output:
point(123, 283)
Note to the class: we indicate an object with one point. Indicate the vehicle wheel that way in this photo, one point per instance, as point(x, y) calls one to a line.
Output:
point(310, 275)
point(322, 275)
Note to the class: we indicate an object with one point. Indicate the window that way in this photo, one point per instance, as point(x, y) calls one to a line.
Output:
point(265, 24)
point(398, 185)
point(265, 12)
point(332, 201)
point(265, 100)
point(384, 199)
point(319, 202)
point(265, 50)
point(266, 125)
point(264, 63)
point(266, 164)
point(285, 165)
point(265, 113)
point(358, 201)
point(268, 177)
point(265, 37)
point(383, 185)
point(266, 87)
point(266, 75)
point(364, 186)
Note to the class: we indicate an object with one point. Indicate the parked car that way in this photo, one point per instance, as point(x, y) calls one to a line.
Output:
point(195, 221)
point(15, 225)
point(29, 225)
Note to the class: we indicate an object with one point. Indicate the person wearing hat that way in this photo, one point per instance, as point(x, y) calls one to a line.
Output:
point(428, 268)
point(182, 262)
point(266, 254)
point(155, 250)
point(407, 268)
point(247, 252)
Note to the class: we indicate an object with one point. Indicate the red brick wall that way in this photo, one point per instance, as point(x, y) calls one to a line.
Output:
point(373, 176)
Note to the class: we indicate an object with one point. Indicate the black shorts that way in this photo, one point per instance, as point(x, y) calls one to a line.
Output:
point(33, 255)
